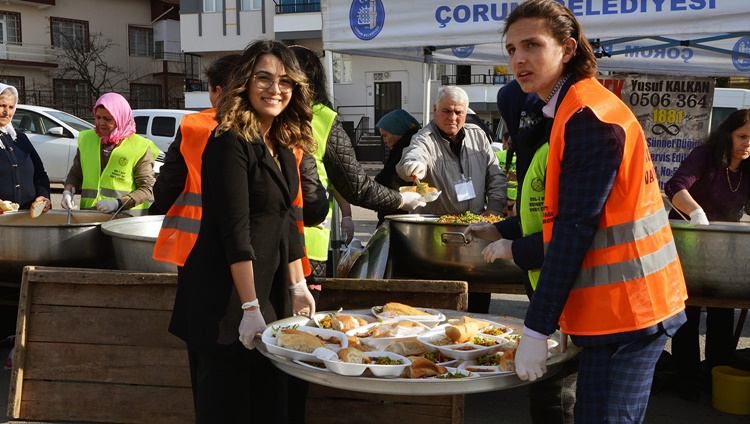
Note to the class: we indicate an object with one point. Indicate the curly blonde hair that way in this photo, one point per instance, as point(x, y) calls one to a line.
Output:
point(235, 114)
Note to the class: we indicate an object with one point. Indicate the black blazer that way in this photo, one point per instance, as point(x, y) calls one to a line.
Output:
point(27, 180)
point(247, 215)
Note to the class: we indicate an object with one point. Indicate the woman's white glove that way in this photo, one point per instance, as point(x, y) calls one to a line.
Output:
point(500, 249)
point(411, 200)
point(252, 323)
point(416, 169)
point(481, 230)
point(531, 358)
point(698, 217)
point(107, 205)
point(67, 201)
point(347, 229)
point(303, 302)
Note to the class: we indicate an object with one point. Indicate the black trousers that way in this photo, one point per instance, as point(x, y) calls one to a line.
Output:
point(233, 388)
point(686, 350)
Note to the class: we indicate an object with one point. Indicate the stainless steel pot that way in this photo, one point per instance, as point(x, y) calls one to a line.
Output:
point(715, 258)
point(133, 240)
point(420, 247)
point(49, 241)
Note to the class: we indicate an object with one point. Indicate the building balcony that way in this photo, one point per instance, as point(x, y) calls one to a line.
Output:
point(296, 7)
point(298, 21)
point(28, 55)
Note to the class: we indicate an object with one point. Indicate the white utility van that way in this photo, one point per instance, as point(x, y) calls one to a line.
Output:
point(159, 125)
point(727, 101)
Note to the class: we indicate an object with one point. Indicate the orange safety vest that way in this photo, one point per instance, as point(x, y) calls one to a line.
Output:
point(631, 277)
point(298, 215)
point(181, 225)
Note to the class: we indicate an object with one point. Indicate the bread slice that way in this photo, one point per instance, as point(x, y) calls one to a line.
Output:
point(345, 323)
point(37, 208)
point(298, 340)
point(353, 356)
point(8, 206)
point(423, 368)
point(407, 348)
point(400, 309)
point(508, 360)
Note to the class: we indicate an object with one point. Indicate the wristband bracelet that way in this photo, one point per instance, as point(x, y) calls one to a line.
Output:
point(248, 305)
point(298, 283)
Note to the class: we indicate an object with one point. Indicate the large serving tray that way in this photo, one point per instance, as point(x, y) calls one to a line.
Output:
point(416, 387)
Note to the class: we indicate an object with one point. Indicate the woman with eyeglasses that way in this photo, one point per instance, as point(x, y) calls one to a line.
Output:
point(238, 276)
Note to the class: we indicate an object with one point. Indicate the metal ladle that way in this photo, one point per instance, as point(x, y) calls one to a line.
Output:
point(119, 209)
point(72, 193)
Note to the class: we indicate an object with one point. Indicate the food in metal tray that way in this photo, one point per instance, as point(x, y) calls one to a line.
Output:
point(468, 218)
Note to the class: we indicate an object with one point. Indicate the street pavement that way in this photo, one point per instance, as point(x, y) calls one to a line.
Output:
point(512, 405)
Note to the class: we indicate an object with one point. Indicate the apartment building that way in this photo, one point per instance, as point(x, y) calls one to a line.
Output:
point(364, 88)
point(63, 54)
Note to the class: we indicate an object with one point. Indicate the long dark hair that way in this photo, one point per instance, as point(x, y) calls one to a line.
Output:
point(720, 140)
point(316, 74)
point(235, 113)
point(562, 24)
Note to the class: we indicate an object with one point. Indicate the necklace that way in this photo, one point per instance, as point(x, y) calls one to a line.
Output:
point(557, 87)
point(734, 190)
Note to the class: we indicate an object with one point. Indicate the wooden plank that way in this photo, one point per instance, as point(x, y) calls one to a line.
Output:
point(124, 327)
point(15, 390)
point(97, 276)
point(351, 293)
point(152, 366)
point(502, 288)
point(140, 296)
point(325, 406)
point(110, 403)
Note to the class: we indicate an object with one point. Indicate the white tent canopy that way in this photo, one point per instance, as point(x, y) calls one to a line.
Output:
point(695, 37)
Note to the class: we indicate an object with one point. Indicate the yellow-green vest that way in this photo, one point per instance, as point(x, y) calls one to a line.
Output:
point(116, 180)
point(317, 239)
point(512, 185)
point(531, 204)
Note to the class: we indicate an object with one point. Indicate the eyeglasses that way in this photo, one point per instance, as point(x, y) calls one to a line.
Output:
point(265, 82)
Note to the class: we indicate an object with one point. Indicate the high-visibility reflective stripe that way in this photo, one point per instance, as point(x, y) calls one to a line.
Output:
point(115, 194)
point(630, 231)
point(91, 194)
point(187, 225)
point(627, 270)
point(189, 199)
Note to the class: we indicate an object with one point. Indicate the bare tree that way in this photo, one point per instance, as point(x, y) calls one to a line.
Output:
point(86, 61)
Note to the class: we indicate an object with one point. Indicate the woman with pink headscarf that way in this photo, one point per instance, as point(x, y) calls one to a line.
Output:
point(114, 166)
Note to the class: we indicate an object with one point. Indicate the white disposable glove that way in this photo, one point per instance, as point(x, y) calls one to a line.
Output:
point(411, 200)
point(481, 230)
point(67, 201)
point(252, 323)
point(531, 358)
point(347, 229)
point(498, 249)
point(303, 302)
point(698, 217)
point(416, 169)
point(107, 205)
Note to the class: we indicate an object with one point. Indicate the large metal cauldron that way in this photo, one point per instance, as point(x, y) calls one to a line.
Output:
point(133, 240)
point(420, 247)
point(715, 258)
point(50, 241)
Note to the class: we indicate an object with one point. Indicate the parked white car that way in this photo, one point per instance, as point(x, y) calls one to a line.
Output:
point(54, 134)
point(159, 125)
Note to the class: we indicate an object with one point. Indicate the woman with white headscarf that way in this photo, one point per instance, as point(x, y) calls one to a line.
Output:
point(23, 179)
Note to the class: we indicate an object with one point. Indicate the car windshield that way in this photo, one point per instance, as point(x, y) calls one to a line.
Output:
point(74, 121)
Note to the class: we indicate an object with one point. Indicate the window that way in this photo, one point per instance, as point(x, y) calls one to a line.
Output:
point(192, 66)
point(72, 96)
point(12, 23)
point(19, 83)
point(145, 96)
point(297, 6)
point(141, 41)
point(251, 4)
point(69, 33)
point(213, 6)
point(342, 68)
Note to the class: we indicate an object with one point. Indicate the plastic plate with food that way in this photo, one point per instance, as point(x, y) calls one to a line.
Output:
point(302, 346)
point(455, 373)
point(436, 340)
point(380, 364)
point(380, 335)
point(319, 366)
point(429, 194)
point(342, 321)
point(485, 365)
point(431, 317)
point(485, 327)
